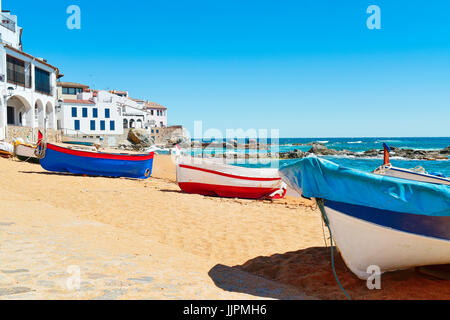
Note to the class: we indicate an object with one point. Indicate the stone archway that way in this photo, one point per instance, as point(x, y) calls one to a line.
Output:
point(19, 112)
point(39, 114)
point(50, 115)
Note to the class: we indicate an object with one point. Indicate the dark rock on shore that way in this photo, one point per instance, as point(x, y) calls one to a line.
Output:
point(140, 137)
point(321, 150)
point(232, 144)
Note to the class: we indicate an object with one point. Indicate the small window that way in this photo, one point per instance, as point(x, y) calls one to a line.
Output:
point(74, 112)
point(157, 131)
point(112, 125)
point(107, 115)
point(85, 112)
point(77, 125)
point(102, 125)
point(92, 124)
point(95, 113)
point(151, 112)
point(153, 131)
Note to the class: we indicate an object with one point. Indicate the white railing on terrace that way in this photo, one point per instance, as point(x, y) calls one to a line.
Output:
point(7, 23)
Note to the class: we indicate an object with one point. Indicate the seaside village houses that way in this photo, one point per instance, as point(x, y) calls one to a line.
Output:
point(34, 97)
point(27, 84)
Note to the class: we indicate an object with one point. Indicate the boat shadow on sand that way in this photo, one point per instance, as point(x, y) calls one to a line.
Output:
point(307, 274)
point(67, 174)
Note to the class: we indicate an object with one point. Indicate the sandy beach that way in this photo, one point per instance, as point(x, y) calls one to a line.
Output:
point(144, 239)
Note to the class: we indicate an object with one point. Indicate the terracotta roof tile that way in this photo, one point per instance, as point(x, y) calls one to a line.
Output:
point(72, 101)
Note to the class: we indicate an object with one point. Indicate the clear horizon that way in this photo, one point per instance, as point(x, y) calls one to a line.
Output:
point(309, 68)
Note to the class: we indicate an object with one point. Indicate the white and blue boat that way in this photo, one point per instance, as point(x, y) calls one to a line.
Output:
point(417, 174)
point(56, 158)
point(377, 220)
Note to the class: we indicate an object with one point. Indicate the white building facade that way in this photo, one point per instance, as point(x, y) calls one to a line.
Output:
point(94, 113)
point(27, 83)
point(157, 114)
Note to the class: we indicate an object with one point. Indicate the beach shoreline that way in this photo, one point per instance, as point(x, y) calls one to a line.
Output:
point(144, 239)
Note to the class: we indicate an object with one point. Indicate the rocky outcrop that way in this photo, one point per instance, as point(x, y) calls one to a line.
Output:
point(295, 154)
point(321, 150)
point(139, 138)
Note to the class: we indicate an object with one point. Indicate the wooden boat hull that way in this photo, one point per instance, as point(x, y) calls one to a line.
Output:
point(25, 153)
point(411, 175)
point(385, 222)
point(6, 150)
point(60, 159)
point(5, 154)
point(215, 179)
point(389, 240)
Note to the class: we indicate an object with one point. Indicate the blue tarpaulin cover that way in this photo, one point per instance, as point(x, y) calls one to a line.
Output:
point(319, 178)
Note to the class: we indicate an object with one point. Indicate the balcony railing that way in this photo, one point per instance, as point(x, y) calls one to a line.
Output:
point(7, 23)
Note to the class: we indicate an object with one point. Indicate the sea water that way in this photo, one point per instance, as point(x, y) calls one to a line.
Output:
point(355, 145)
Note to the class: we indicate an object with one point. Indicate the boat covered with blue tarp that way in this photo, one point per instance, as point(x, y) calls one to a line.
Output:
point(377, 220)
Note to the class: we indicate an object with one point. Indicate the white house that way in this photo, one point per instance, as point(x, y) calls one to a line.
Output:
point(27, 83)
point(93, 113)
point(157, 114)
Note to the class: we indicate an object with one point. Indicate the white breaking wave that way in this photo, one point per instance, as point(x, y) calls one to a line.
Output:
point(353, 142)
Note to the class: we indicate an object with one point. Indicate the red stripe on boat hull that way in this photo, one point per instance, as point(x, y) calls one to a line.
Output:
point(227, 174)
point(226, 191)
point(101, 155)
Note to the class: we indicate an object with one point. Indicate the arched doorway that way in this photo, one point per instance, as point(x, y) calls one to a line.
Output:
point(131, 123)
point(139, 123)
point(125, 123)
point(50, 115)
point(19, 112)
point(39, 114)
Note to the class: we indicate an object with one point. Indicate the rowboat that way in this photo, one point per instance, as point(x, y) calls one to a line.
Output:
point(377, 220)
point(6, 150)
point(25, 152)
point(213, 178)
point(57, 158)
point(417, 174)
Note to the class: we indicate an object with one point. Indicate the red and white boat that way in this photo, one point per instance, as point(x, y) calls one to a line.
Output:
point(213, 178)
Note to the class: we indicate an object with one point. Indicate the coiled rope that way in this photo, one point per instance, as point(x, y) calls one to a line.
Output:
point(320, 203)
point(40, 150)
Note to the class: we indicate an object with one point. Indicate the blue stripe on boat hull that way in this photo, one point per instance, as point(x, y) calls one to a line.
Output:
point(62, 162)
point(429, 226)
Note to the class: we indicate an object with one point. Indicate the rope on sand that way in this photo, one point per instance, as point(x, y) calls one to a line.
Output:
point(320, 203)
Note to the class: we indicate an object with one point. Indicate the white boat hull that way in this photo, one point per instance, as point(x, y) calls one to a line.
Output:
point(363, 244)
point(209, 177)
point(411, 175)
point(24, 151)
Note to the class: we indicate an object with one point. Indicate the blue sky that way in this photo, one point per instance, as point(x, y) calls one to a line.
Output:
point(310, 68)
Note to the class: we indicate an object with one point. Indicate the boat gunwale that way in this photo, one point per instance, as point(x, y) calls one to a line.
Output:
point(101, 155)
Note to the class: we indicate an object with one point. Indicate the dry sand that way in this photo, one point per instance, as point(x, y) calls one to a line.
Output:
point(147, 240)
